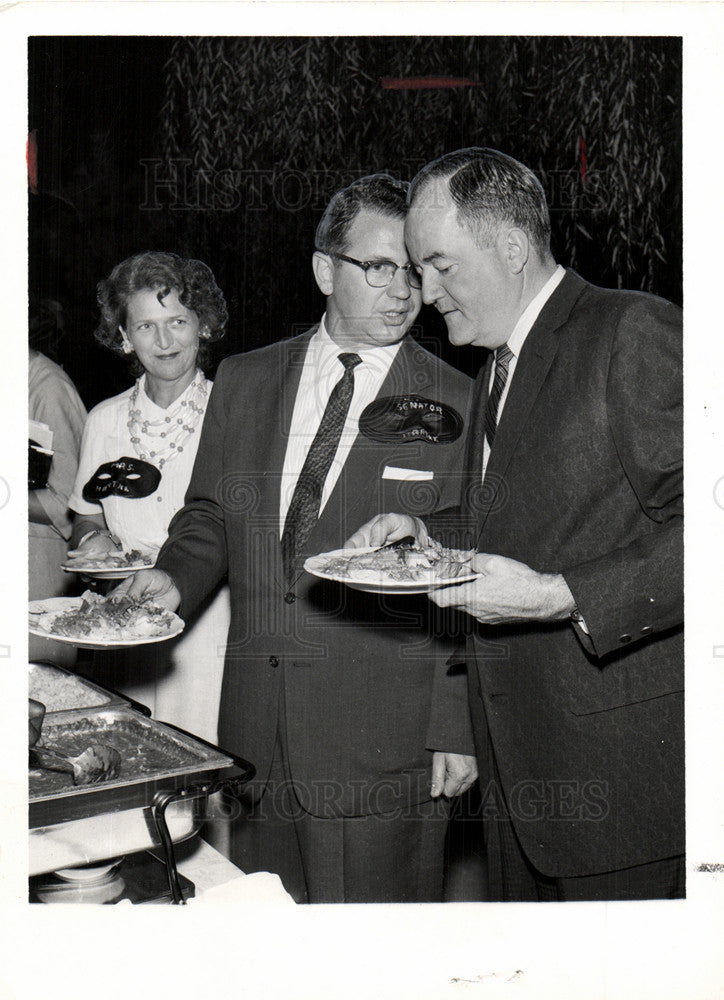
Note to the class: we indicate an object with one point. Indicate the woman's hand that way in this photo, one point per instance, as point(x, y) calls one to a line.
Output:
point(96, 544)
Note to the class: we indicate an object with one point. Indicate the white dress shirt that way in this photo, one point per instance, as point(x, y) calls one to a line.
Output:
point(320, 374)
point(515, 344)
point(516, 340)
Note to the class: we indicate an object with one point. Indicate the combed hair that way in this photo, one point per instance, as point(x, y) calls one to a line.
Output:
point(192, 280)
point(491, 190)
point(379, 193)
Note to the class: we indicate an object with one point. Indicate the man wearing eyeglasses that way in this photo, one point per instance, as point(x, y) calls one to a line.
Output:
point(328, 691)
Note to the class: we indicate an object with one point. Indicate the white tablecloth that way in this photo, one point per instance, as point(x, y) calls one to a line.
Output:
point(217, 880)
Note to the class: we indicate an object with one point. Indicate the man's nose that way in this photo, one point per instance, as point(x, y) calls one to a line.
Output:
point(164, 337)
point(399, 287)
point(431, 290)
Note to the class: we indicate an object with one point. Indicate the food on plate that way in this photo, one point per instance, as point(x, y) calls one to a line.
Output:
point(409, 563)
point(99, 618)
point(60, 691)
point(110, 560)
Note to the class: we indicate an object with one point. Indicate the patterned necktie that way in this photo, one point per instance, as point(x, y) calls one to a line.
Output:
point(306, 501)
point(503, 356)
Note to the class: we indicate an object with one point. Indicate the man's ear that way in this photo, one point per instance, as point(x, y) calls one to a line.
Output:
point(323, 268)
point(517, 250)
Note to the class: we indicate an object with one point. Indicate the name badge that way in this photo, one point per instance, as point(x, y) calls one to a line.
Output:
point(410, 418)
point(126, 477)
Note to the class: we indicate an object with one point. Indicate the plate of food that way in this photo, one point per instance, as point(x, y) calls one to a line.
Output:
point(94, 622)
point(407, 568)
point(108, 565)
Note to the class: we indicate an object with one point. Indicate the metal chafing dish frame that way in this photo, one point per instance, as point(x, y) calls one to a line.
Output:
point(230, 785)
point(156, 791)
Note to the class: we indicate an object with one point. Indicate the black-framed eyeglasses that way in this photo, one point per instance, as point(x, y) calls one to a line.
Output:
point(380, 273)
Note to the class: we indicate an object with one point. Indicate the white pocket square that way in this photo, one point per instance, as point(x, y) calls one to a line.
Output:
point(411, 475)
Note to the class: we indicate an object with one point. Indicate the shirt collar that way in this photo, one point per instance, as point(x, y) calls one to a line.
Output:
point(525, 324)
point(145, 400)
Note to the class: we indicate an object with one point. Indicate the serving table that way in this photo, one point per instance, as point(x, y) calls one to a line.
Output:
point(217, 880)
point(158, 799)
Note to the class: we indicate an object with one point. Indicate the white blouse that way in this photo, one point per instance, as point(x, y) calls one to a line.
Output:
point(140, 522)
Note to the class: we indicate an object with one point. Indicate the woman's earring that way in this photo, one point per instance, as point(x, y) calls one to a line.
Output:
point(125, 342)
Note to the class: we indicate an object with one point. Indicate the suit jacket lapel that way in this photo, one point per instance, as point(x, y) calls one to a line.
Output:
point(281, 392)
point(266, 444)
point(363, 468)
point(535, 360)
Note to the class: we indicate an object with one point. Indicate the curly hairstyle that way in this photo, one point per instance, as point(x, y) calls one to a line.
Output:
point(192, 280)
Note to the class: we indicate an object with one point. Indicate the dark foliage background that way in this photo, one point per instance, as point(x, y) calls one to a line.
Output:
point(228, 148)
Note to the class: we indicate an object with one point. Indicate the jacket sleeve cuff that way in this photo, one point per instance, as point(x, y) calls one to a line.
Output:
point(630, 594)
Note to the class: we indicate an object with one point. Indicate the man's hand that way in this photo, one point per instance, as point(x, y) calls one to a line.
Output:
point(508, 591)
point(452, 774)
point(150, 584)
point(385, 528)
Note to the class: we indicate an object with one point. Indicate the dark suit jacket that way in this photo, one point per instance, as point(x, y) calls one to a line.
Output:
point(356, 669)
point(585, 479)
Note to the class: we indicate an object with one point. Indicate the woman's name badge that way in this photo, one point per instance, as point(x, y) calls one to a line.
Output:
point(126, 477)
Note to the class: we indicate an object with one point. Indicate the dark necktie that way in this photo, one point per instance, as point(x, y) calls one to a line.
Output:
point(306, 501)
point(503, 357)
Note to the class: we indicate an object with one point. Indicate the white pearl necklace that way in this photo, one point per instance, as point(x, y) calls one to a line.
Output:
point(161, 440)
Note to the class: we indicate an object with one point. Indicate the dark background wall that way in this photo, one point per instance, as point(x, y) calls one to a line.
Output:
point(227, 149)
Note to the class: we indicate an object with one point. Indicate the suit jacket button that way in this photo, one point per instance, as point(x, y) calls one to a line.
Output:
point(290, 597)
point(273, 661)
point(646, 629)
point(624, 638)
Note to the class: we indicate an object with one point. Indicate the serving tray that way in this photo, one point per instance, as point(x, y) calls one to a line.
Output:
point(154, 756)
point(98, 697)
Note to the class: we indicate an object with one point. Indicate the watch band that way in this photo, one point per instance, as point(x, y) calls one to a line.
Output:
point(99, 531)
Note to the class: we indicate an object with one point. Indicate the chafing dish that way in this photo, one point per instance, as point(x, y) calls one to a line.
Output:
point(154, 757)
point(71, 691)
point(165, 774)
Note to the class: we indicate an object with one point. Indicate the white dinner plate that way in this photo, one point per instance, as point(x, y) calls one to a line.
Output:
point(375, 582)
point(105, 572)
point(61, 604)
point(88, 873)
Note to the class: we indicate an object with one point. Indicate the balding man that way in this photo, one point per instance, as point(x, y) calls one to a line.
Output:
point(574, 503)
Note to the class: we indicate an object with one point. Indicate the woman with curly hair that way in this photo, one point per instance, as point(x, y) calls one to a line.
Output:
point(161, 311)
